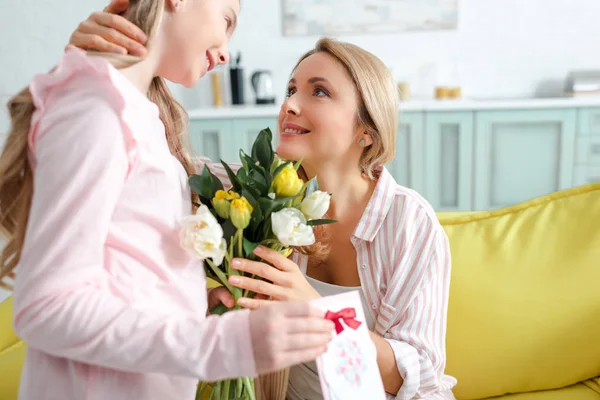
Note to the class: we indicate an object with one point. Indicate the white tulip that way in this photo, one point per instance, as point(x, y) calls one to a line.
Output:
point(202, 236)
point(289, 225)
point(315, 205)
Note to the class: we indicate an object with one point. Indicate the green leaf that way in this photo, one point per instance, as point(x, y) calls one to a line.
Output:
point(262, 151)
point(216, 183)
point(249, 248)
point(201, 184)
point(219, 309)
point(315, 222)
point(270, 206)
point(228, 230)
point(298, 164)
point(256, 180)
point(312, 187)
point(247, 161)
point(235, 183)
point(242, 175)
point(206, 185)
point(251, 195)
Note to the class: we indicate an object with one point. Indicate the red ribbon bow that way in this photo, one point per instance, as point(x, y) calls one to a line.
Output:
point(349, 317)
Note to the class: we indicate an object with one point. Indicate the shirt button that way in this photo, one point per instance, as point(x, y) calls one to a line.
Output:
point(364, 266)
point(374, 306)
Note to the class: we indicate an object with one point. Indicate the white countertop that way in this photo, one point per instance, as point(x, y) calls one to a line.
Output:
point(253, 111)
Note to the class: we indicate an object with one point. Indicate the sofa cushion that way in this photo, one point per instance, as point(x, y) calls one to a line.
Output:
point(524, 310)
point(7, 335)
point(573, 392)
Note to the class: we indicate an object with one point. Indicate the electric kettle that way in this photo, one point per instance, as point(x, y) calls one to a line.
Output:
point(262, 83)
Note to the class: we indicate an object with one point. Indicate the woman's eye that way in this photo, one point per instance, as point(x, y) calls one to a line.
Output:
point(290, 91)
point(320, 92)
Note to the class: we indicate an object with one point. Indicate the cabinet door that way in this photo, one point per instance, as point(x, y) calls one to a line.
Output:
point(585, 174)
point(449, 160)
point(209, 138)
point(407, 165)
point(522, 154)
point(244, 133)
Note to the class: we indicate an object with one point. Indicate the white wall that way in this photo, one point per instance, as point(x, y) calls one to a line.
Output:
point(509, 48)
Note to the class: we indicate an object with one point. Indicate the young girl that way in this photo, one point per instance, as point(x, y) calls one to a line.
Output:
point(93, 185)
point(340, 118)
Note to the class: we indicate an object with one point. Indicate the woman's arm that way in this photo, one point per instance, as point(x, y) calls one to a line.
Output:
point(386, 361)
point(108, 31)
point(417, 309)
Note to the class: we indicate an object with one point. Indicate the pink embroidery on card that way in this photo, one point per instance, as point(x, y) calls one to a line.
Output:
point(351, 361)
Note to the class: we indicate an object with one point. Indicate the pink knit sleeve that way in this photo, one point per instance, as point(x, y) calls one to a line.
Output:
point(62, 304)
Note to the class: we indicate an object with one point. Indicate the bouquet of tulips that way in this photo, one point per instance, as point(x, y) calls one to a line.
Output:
point(269, 205)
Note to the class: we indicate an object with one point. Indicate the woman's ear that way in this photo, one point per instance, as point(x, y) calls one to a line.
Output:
point(173, 5)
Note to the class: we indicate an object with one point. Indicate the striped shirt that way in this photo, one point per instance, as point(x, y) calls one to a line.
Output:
point(403, 259)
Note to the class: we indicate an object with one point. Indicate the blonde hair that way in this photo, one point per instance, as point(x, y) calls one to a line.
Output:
point(16, 177)
point(377, 115)
point(377, 99)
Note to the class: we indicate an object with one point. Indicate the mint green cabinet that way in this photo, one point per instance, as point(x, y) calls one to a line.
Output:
point(463, 159)
point(449, 160)
point(221, 139)
point(209, 138)
point(407, 166)
point(522, 154)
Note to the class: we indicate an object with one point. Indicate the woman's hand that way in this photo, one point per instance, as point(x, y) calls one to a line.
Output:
point(107, 31)
point(288, 282)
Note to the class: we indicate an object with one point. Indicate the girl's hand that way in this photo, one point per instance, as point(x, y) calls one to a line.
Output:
point(217, 296)
point(288, 282)
point(107, 31)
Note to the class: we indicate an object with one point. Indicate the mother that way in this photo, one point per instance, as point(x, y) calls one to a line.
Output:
point(340, 118)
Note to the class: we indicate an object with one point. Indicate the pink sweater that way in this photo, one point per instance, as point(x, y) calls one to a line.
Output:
point(110, 305)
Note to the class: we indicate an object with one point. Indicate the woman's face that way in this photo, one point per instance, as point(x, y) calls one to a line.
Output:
point(318, 120)
point(196, 34)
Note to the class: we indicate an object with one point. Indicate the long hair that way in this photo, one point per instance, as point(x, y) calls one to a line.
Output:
point(377, 115)
point(16, 177)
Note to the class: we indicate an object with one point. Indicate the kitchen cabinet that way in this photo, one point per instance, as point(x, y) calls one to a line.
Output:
point(459, 155)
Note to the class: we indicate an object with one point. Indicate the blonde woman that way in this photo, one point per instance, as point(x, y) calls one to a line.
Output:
point(93, 185)
point(340, 118)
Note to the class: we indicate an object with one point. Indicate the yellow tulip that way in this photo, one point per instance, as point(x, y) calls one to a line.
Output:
point(241, 212)
point(287, 183)
point(221, 202)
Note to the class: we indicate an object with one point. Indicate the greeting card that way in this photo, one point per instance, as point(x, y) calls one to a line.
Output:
point(348, 370)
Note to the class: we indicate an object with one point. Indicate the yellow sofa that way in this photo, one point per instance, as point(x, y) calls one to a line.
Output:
point(524, 312)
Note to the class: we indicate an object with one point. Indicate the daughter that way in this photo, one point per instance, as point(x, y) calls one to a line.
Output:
point(93, 184)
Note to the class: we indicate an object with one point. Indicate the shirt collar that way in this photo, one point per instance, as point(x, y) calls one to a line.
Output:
point(377, 208)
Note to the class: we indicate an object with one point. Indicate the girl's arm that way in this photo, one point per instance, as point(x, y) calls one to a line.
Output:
point(62, 303)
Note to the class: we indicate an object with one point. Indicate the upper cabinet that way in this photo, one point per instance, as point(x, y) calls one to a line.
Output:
point(459, 156)
point(222, 139)
point(407, 165)
point(449, 160)
point(520, 155)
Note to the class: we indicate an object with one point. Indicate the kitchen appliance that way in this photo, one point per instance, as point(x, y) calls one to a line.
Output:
point(262, 83)
point(236, 80)
point(583, 83)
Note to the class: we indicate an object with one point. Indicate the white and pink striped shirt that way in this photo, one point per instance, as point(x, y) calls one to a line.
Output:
point(403, 256)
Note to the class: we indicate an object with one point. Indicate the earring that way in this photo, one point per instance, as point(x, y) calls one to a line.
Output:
point(361, 143)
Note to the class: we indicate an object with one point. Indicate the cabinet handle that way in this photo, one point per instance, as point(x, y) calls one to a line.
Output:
point(595, 148)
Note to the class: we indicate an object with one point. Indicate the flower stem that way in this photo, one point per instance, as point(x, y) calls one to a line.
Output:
point(219, 274)
point(240, 239)
point(250, 387)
